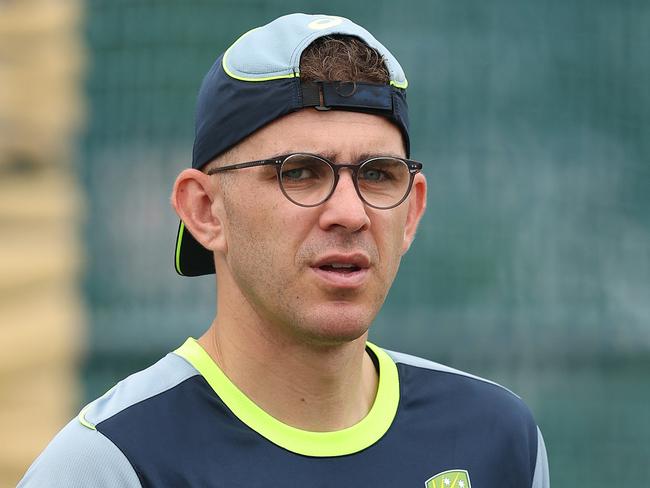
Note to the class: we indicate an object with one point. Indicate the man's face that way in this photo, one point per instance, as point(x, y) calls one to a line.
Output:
point(318, 274)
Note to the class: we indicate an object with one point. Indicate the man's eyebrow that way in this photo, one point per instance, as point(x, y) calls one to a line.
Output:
point(366, 156)
point(273, 156)
point(334, 157)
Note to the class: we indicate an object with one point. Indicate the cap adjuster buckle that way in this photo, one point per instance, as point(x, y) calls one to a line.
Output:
point(321, 100)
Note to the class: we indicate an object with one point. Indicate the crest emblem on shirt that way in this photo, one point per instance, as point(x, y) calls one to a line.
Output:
point(454, 478)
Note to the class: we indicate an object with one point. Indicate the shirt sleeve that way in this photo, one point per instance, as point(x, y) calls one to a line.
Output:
point(541, 477)
point(80, 457)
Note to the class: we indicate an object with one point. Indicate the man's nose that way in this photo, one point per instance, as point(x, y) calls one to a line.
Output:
point(344, 208)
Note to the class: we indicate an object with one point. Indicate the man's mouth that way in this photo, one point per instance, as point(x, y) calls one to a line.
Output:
point(342, 270)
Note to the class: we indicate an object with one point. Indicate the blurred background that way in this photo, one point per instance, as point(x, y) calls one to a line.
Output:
point(531, 268)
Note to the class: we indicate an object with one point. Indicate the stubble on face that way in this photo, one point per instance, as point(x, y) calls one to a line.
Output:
point(272, 243)
point(271, 270)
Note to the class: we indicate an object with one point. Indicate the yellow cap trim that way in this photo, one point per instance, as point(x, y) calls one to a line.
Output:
point(295, 74)
point(247, 78)
point(318, 444)
point(179, 239)
point(402, 85)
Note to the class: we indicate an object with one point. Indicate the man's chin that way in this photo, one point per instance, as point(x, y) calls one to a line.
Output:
point(342, 324)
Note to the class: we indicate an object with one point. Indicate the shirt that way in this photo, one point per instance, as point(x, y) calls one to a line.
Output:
point(182, 422)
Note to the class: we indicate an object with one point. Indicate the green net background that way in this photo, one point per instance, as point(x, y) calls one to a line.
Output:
point(532, 265)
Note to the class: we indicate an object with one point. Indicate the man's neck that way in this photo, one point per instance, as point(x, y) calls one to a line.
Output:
point(307, 386)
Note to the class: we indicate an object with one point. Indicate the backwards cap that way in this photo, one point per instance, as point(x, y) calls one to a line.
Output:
point(257, 80)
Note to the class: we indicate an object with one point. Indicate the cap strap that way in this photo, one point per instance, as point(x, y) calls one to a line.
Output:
point(346, 94)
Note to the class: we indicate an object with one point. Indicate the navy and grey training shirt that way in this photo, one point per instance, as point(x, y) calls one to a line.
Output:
point(182, 423)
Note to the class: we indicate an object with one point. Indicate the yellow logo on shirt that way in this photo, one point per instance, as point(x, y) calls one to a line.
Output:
point(454, 478)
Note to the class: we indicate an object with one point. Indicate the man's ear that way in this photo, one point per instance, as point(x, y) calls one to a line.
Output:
point(417, 203)
point(193, 197)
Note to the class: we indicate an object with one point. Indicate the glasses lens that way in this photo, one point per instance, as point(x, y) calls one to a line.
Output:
point(383, 182)
point(306, 180)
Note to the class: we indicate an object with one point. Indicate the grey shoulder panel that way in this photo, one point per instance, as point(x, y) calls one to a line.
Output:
point(402, 358)
point(541, 477)
point(79, 457)
point(162, 376)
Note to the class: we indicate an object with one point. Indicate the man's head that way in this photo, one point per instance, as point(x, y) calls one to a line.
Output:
point(320, 271)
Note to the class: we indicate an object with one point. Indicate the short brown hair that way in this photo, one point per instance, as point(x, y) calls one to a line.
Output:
point(342, 58)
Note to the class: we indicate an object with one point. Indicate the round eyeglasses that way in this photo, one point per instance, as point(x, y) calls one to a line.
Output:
point(308, 180)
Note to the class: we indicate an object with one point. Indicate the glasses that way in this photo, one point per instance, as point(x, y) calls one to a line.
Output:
point(308, 180)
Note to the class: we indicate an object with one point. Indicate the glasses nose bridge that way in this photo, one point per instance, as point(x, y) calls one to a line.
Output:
point(354, 170)
point(339, 166)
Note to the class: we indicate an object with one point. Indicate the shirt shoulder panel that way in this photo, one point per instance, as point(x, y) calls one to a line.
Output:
point(156, 379)
point(541, 478)
point(79, 457)
point(490, 415)
point(402, 358)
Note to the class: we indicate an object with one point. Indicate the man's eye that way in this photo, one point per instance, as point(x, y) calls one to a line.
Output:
point(374, 175)
point(297, 174)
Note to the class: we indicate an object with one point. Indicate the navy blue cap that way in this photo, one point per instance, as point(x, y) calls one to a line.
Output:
point(257, 80)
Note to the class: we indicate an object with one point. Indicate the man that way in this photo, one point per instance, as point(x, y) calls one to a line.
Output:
point(302, 200)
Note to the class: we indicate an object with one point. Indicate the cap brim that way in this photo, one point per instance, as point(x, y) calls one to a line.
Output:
point(191, 258)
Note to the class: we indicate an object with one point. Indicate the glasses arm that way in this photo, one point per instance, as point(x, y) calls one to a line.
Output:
point(249, 164)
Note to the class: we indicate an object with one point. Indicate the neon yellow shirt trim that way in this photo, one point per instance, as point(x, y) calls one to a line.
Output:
point(318, 444)
point(82, 418)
